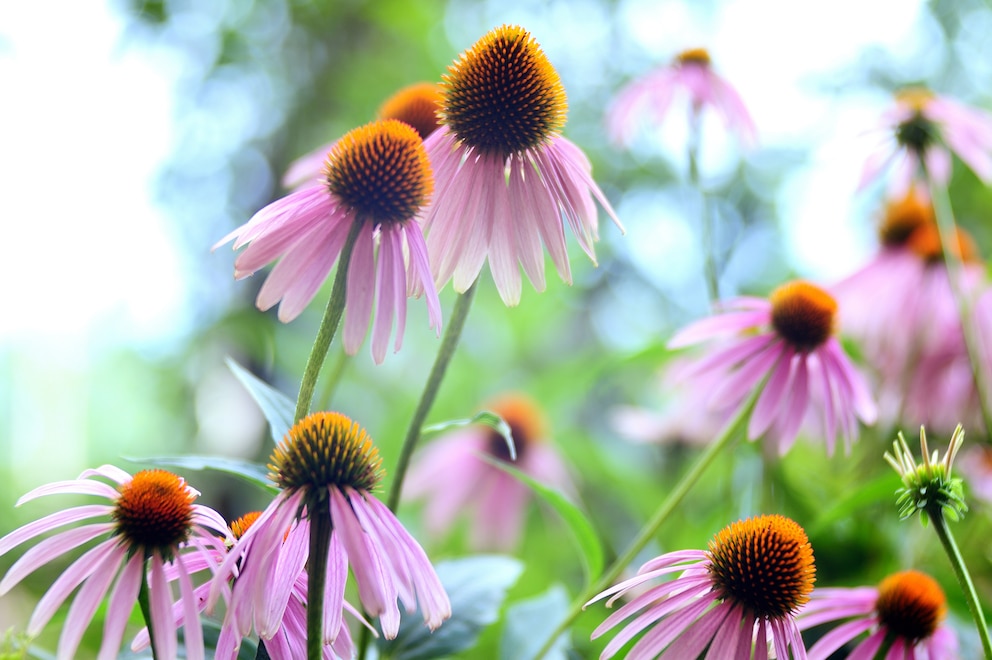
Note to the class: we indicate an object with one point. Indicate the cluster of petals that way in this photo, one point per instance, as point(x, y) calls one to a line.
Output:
point(855, 609)
point(456, 480)
point(387, 562)
point(686, 615)
point(951, 127)
point(819, 384)
point(651, 98)
point(306, 232)
point(114, 557)
point(506, 207)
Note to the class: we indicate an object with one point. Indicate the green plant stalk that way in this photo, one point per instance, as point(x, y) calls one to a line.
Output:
point(146, 610)
point(706, 216)
point(320, 543)
point(449, 343)
point(936, 514)
point(335, 371)
point(328, 325)
point(650, 529)
point(948, 235)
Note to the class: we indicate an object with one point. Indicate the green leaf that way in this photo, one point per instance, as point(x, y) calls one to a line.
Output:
point(859, 498)
point(477, 588)
point(279, 410)
point(486, 418)
point(253, 473)
point(582, 530)
point(530, 622)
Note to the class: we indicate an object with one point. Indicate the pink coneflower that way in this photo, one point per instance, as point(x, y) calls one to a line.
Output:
point(289, 642)
point(786, 342)
point(416, 105)
point(923, 129)
point(691, 74)
point(506, 178)
point(152, 523)
point(907, 608)
point(377, 176)
point(455, 479)
point(975, 466)
point(327, 462)
point(742, 592)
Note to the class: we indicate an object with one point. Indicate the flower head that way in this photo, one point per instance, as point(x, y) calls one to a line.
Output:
point(416, 105)
point(690, 73)
point(923, 129)
point(378, 178)
point(455, 479)
point(907, 608)
point(152, 528)
point(746, 587)
point(326, 464)
point(928, 487)
point(788, 343)
point(506, 178)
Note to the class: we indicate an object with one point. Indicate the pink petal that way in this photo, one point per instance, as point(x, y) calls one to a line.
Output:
point(160, 597)
point(48, 550)
point(122, 600)
point(73, 487)
point(361, 290)
point(50, 522)
point(87, 600)
point(70, 578)
point(720, 324)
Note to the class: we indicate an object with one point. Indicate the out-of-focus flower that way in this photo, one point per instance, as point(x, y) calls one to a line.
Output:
point(506, 179)
point(379, 178)
point(923, 129)
point(744, 590)
point(691, 73)
point(901, 309)
point(152, 523)
point(455, 479)
point(976, 468)
point(787, 343)
point(416, 105)
point(328, 461)
point(907, 607)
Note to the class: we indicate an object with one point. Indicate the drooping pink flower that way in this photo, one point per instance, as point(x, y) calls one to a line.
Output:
point(378, 177)
point(691, 73)
point(452, 475)
point(152, 524)
point(909, 607)
point(923, 129)
point(787, 343)
point(290, 641)
point(506, 180)
point(901, 308)
point(743, 591)
point(416, 105)
point(328, 462)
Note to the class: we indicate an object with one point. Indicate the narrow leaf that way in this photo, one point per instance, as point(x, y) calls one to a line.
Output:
point(582, 530)
point(278, 409)
point(486, 418)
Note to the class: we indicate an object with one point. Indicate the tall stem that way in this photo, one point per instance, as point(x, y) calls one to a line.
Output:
point(952, 259)
point(964, 578)
point(650, 529)
point(706, 217)
point(452, 335)
point(320, 543)
point(146, 611)
point(328, 325)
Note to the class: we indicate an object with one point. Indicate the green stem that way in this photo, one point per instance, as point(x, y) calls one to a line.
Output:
point(709, 258)
point(649, 530)
point(320, 543)
point(452, 334)
point(961, 571)
point(328, 325)
point(146, 610)
point(952, 258)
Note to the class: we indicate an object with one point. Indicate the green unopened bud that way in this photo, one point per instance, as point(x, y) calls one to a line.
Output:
point(928, 487)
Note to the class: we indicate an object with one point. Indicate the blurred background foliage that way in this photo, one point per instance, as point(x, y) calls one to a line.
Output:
point(260, 82)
